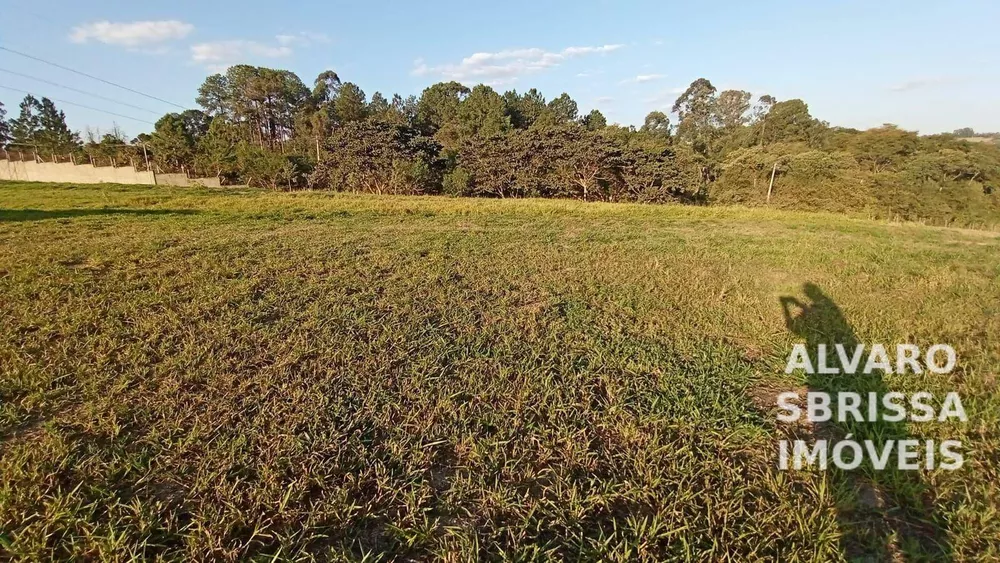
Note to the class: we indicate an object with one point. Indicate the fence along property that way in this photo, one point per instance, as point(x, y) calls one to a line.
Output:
point(16, 165)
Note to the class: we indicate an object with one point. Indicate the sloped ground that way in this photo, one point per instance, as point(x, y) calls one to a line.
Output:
point(194, 373)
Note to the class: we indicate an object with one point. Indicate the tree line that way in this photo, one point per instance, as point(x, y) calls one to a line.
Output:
point(265, 127)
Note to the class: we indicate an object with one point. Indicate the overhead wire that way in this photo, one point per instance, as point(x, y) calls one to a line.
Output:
point(79, 105)
point(71, 88)
point(91, 76)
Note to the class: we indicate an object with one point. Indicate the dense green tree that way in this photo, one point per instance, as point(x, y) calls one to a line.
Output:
point(586, 165)
point(482, 113)
point(758, 117)
point(26, 126)
point(378, 107)
point(512, 109)
point(730, 109)
point(263, 167)
point(403, 110)
point(262, 102)
point(214, 95)
point(54, 134)
point(622, 135)
point(789, 121)
point(695, 110)
point(595, 120)
point(560, 111)
point(524, 110)
point(176, 136)
point(42, 126)
point(884, 147)
point(4, 127)
point(170, 144)
point(661, 175)
point(730, 116)
point(216, 153)
point(378, 157)
point(657, 125)
point(196, 123)
point(438, 105)
point(570, 161)
point(497, 167)
point(326, 86)
point(315, 117)
point(350, 104)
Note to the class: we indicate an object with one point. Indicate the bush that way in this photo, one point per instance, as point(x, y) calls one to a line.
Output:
point(457, 182)
point(378, 157)
point(570, 161)
point(263, 167)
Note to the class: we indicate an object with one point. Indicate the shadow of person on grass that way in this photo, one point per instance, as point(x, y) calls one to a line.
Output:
point(19, 215)
point(884, 515)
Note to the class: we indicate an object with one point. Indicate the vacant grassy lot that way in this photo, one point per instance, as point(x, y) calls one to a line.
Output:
point(218, 374)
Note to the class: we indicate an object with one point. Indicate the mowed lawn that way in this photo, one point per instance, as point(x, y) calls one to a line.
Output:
point(192, 373)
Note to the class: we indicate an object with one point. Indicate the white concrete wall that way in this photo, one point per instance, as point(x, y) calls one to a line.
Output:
point(30, 171)
point(71, 173)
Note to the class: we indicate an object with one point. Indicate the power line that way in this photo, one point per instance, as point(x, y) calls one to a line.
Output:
point(91, 76)
point(79, 105)
point(105, 98)
point(34, 15)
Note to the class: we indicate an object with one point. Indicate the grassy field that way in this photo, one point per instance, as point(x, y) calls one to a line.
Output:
point(192, 373)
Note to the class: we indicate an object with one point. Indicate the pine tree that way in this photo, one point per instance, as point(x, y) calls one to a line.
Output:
point(4, 127)
point(24, 129)
point(54, 135)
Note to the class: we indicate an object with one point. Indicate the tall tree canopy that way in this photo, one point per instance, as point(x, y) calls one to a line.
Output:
point(262, 101)
point(595, 120)
point(731, 109)
point(350, 104)
point(695, 109)
point(560, 111)
point(54, 135)
point(326, 86)
point(524, 110)
point(657, 124)
point(42, 126)
point(482, 113)
point(790, 121)
point(438, 105)
point(175, 138)
point(25, 127)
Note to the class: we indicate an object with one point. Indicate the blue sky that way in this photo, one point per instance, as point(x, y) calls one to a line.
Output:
point(927, 66)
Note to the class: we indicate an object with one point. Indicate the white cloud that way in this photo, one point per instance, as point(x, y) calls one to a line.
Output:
point(302, 38)
point(218, 55)
point(507, 65)
point(131, 34)
point(576, 51)
point(642, 78)
point(604, 99)
point(918, 83)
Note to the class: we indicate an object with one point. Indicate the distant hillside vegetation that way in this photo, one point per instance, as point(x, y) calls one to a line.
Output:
point(266, 128)
point(884, 172)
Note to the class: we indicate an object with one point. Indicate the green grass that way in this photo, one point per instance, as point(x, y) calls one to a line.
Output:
point(193, 373)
